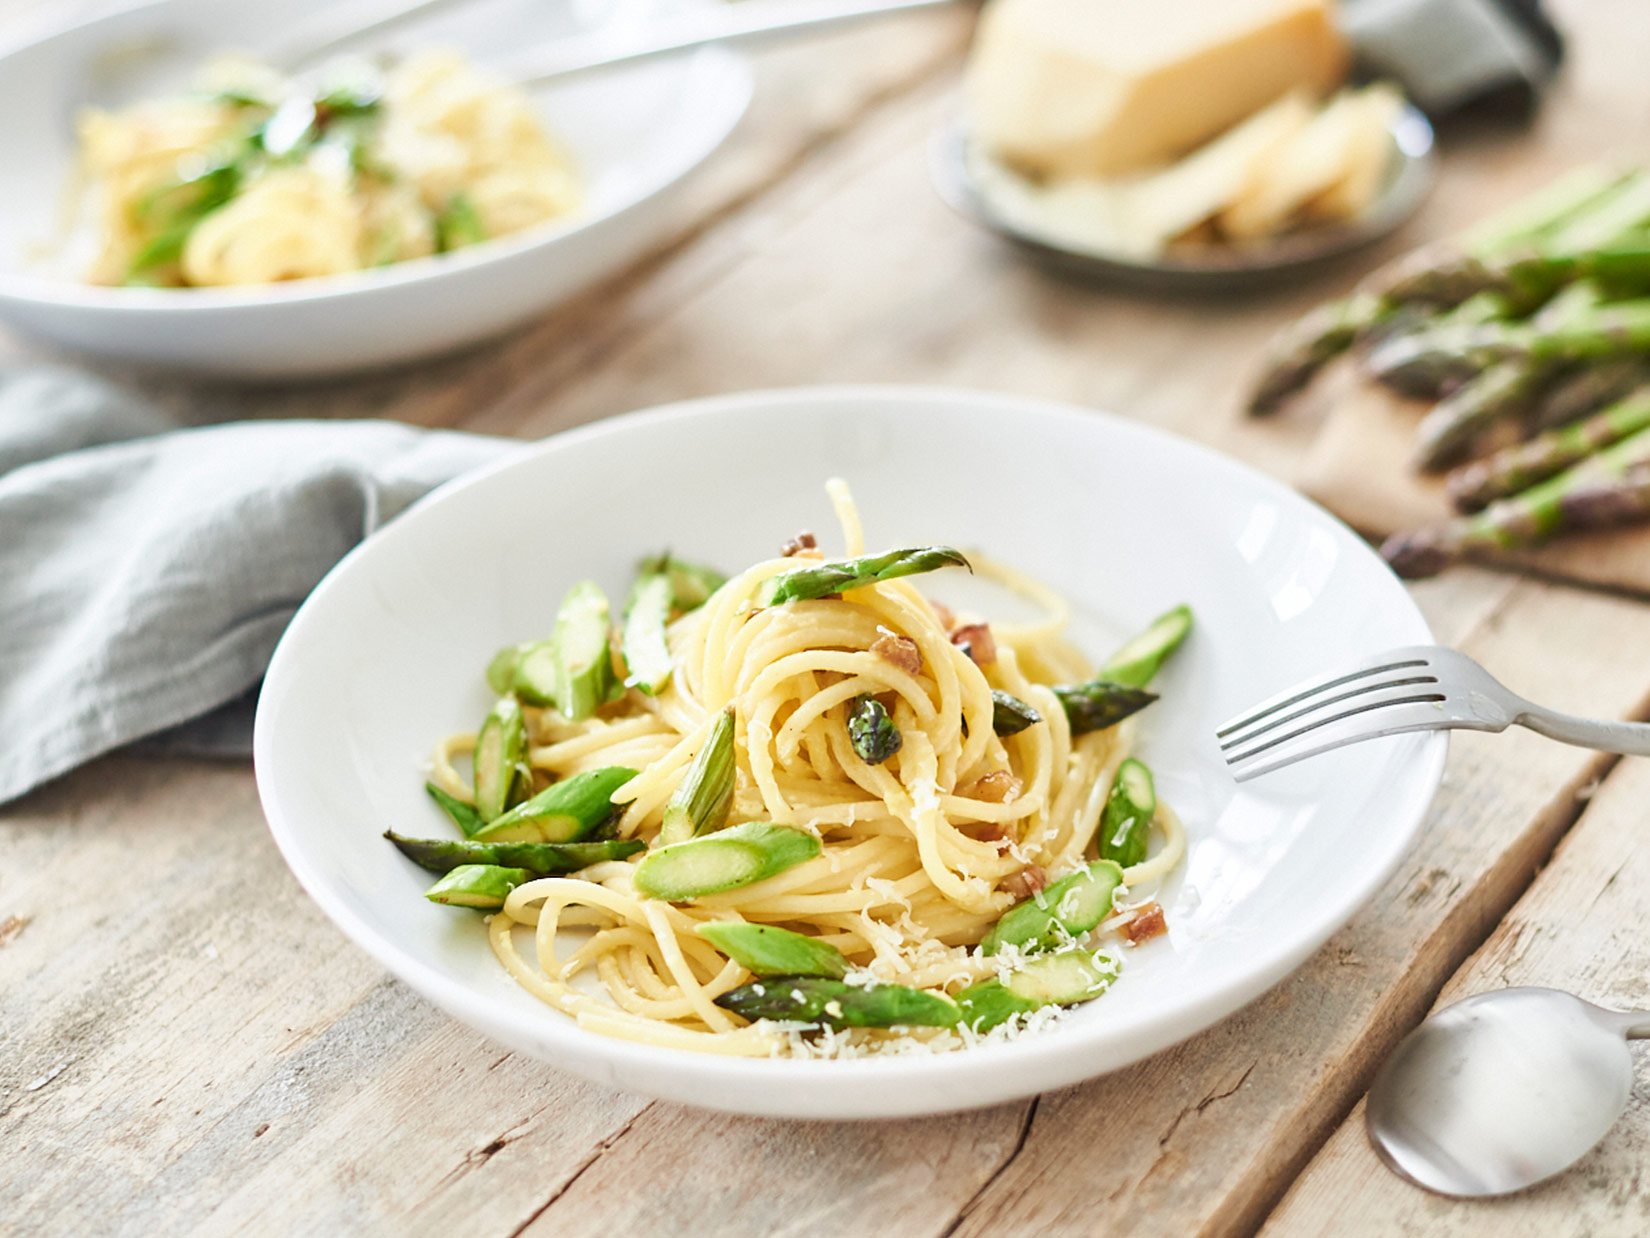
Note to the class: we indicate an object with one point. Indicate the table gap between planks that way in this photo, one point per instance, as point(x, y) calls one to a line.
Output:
point(189, 1047)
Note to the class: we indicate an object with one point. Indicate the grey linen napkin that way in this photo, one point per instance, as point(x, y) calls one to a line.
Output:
point(147, 571)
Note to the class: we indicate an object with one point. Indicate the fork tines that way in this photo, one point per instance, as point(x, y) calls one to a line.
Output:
point(1335, 710)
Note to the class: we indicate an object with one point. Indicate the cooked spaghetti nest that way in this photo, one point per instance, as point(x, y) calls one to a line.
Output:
point(255, 179)
point(916, 851)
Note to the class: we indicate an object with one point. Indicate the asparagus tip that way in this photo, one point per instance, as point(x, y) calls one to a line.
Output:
point(1415, 555)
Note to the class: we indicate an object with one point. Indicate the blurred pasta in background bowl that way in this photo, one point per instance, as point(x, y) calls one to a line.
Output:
point(174, 202)
point(252, 179)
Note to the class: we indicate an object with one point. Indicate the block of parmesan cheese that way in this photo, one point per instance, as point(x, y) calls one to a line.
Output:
point(1106, 87)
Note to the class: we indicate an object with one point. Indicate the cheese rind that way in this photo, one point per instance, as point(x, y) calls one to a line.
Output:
point(1106, 87)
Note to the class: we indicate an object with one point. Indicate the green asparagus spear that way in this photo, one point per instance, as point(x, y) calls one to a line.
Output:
point(464, 816)
point(871, 731)
point(819, 580)
point(701, 800)
point(1328, 331)
point(1096, 705)
point(725, 860)
point(498, 752)
point(1609, 330)
point(483, 886)
point(569, 811)
point(768, 950)
point(1610, 488)
point(1069, 907)
point(1587, 389)
point(1063, 978)
point(1140, 657)
point(1010, 715)
point(646, 652)
point(1476, 485)
point(540, 859)
point(837, 1004)
point(1503, 391)
point(1126, 823)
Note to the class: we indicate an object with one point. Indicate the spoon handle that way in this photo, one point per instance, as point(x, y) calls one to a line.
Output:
point(1633, 1024)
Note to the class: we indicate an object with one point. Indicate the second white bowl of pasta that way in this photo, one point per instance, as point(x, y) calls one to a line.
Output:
point(186, 205)
point(925, 814)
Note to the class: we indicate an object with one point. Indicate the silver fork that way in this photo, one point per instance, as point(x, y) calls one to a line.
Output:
point(1421, 688)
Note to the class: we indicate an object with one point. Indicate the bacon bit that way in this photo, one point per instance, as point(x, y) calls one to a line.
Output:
point(796, 545)
point(976, 641)
point(1028, 881)
point(997, 787)
point(943, 613)
point(1147, 924)
point(900, 651)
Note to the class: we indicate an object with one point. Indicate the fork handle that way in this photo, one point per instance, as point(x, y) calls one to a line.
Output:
point(1630, 738)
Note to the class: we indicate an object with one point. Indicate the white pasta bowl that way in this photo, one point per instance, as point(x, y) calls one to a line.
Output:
point(635, 132)
point(386, 657)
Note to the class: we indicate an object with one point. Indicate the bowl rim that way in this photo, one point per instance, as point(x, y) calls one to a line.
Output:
point(723, 65)
point(1025, 1055)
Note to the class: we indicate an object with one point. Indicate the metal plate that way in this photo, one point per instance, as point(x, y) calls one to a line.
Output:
point(1210, 268)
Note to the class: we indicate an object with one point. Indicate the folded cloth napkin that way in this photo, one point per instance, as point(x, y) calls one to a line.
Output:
point(146, 571)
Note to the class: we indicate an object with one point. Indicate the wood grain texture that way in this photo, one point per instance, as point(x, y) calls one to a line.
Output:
point(186, 1045)
point(1577, 928)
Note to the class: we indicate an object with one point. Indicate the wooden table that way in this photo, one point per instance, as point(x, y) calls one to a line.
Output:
point(188, 1046)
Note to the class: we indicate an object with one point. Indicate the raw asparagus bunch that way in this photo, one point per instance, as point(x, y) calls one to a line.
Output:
point(1429, 280)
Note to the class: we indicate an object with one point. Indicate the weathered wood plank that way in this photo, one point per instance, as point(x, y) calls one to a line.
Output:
point(1579, 927)
point(187, 1039)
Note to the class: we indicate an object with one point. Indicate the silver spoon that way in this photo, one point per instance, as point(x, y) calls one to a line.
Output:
point(1502, 1090)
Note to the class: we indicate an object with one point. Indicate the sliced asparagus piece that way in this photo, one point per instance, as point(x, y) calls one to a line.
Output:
point(1610, 488)
point(1517, 468)
point(1063, 978)
point(499, 749)
point(582, 657)
point(1126, 823)
point(725, 860)
point(871, 731)
point(464, 816)
point(646, 651)
point(818, 580)
point(701, 800)
point(1010, 715)
point(1140, 657)
point(1096, 705)
point(501, 671)
point(541, 859)
point(484, 886)
point(572, 809)
point(836, 1004)
point(768, 950)
point(690, 583)
point(1068, 908)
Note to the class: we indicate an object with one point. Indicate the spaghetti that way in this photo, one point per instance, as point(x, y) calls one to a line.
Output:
point(919, 855)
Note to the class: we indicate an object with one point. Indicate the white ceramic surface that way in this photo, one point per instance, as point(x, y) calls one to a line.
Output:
point(387, 656)
point(635, 132)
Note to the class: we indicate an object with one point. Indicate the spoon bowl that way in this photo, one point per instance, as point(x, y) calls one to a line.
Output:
point(1502, 1090)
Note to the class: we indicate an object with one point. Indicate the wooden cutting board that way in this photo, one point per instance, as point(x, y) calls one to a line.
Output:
point(1359, 466)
